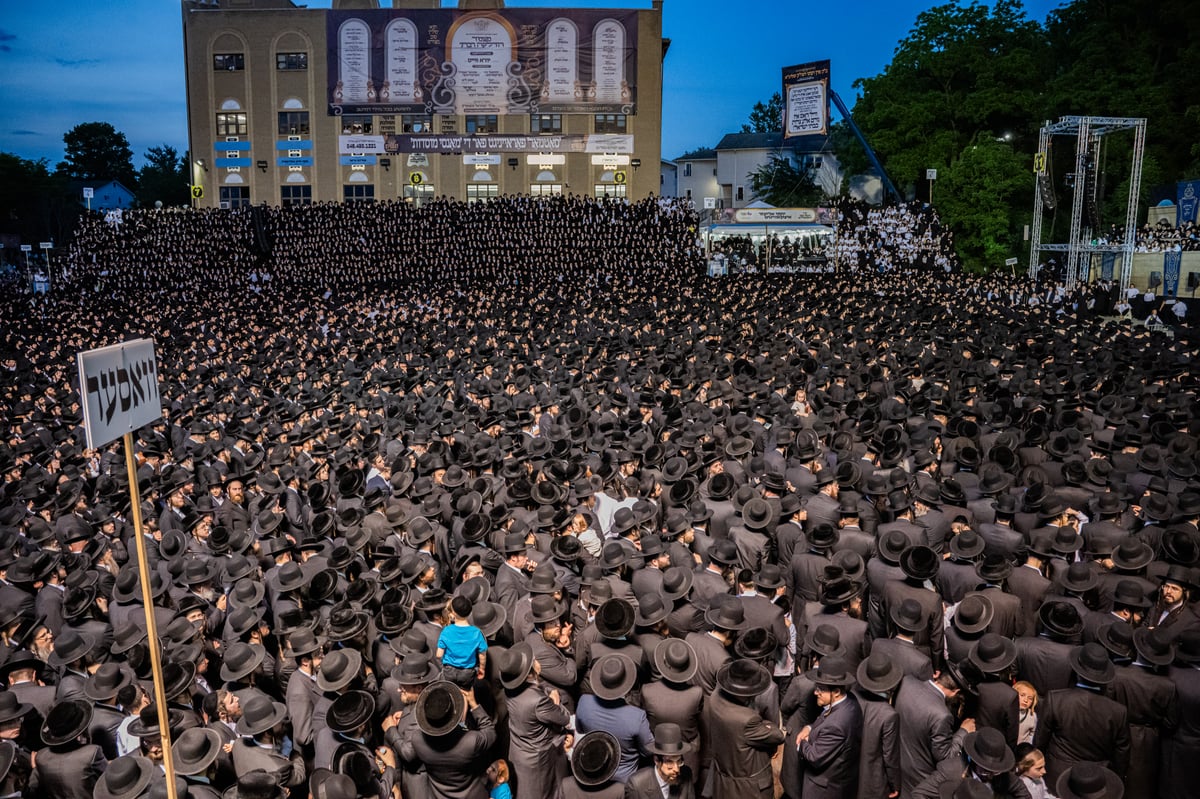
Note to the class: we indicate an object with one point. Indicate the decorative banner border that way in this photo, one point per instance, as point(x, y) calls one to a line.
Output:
point(509, 61)
point(806, 99)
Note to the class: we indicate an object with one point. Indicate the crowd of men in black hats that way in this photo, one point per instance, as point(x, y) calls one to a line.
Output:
point(504, 524)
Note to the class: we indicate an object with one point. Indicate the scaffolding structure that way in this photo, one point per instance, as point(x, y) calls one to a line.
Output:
point(1079, 247)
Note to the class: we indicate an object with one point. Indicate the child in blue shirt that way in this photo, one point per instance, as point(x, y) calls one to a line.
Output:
point(462, 647)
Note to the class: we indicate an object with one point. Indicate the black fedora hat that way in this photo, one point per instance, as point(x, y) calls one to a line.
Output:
point(595, 758)
point(416, 670)
point(1060, 618)
point(489, 617)
point(259, 714)
point(69, 647)
point(973, 614)
point(833, 671)
point(668, 740)
point(677, 581)
point(195, 750)
point(1129, 593)
point(675, 660)
point(338, 669)
point(106, 682)
point(349, 711)
point(1091, 663)
point(992, 653)
point(908, 615)
point(1078, 578)
point(756, 643)
point(515, 665)
point(879, 673)
point(1089, 781)
point(1117, 638)
point(892, 545)
point(11, 707)
point(987, 748)
point(919, 563)
point(652, 609)
point(615, 618)
point(613, 675)
point(967, 545)
point(824, 640)
point(66, 721)
point(743, 678)
point(241, 659)
point(126, 777)
point(727, 614)
point(1132, 554)
point(1154, 646)
point(440, 708)
point(994, 568)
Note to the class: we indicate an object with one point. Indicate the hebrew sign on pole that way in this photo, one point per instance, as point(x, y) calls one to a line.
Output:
point(119, 385)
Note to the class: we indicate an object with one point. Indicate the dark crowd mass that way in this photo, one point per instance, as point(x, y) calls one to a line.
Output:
point(511, 500)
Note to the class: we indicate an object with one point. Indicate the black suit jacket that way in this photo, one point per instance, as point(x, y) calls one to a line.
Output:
point(1076, 725)
point(644, 785)
point(830, 755)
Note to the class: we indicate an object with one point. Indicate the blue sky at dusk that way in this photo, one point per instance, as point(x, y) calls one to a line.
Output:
point(122, 62)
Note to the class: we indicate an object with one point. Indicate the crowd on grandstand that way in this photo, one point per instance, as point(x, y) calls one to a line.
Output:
point(1157, 238)
point(511, 500)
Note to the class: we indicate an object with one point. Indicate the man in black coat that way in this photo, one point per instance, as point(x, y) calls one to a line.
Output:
point(829, 747)
point(669, 771)
point(1080, 724)
point(879, 757)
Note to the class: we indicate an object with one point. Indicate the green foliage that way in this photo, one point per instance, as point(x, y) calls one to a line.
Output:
point(96, 151)
point(784, 185)
point(34, 202)
point(163, 179)
point(766, 118)
point(984, 194)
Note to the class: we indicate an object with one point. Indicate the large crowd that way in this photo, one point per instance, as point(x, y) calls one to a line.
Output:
point(511, 500)
point(1158, 237)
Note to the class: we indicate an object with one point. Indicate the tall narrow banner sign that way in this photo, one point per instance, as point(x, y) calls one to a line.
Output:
point(1107, 261)
point(1172, 259)
point(806, 99)
point(1187, 202)
point(508, 61)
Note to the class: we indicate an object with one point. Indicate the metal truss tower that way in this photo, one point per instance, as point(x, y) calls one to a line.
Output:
point(1079, 248)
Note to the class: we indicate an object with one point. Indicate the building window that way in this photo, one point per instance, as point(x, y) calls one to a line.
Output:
point(687, 170)
point(482, 191)
point(290, 61)
point(610, 123)
point(545, 123)
point(482, 123)
point(416, 123)
point(359, 192)
point(811, 162)
point(235, 196)
point(545, 189)
point(229, 62)
point(610, 189)
point(741, 192)
point(232, 124)
point(420, 193)
point(357, 124)
point(293, 123)
point(295, 195)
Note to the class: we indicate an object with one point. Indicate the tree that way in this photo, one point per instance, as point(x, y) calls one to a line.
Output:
point(784, 185)
point(961, 70)
point(766, 118)
point(984, 193)
point(34, 202)
point(163, 178)
point(96, 151)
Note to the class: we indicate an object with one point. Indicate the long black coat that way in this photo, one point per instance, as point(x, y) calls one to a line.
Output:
point(1076, 725)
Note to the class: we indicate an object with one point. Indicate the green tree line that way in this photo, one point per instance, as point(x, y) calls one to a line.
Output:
point(970, 86)
point(38, 202)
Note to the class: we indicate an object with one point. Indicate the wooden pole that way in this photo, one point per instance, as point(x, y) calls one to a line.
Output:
point(164, 726)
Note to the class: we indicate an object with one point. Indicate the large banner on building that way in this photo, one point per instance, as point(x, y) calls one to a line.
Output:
point(806, 99)
point(510, 61)
point(1187, 201)
point(444, 144)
